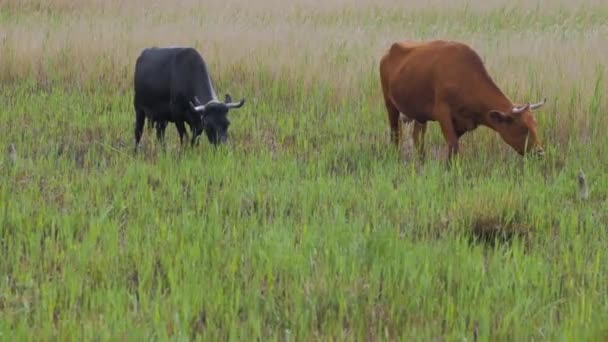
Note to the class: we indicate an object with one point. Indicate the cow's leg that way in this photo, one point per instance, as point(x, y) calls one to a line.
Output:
point(178, 112)
point(181, 130)
point(160, 132)
point(442, 114)
point(418, 136)
point(140, 119)
point(393, 121)
point(195, 133)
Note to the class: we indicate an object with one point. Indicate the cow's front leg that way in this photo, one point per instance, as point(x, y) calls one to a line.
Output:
point(442, 113)
point(418, 136)
point(195, 134)
point(181, 130)
point(160, 132)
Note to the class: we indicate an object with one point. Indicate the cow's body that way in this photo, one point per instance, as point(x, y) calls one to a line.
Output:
point(171, 85)
point(447, 82)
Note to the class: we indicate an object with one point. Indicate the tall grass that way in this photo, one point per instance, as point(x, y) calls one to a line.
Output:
point(309, 224)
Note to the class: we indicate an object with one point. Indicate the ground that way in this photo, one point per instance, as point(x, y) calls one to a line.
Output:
point(310, 224)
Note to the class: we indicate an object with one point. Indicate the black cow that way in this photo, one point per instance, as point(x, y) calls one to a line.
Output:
point(173, 85)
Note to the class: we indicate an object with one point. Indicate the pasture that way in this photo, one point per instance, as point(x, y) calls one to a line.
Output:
point(309, 224)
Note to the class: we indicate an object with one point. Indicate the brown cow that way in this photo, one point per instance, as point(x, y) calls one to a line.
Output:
point(447, 82)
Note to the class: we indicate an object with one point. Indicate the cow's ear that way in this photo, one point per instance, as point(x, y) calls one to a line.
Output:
point(497, 116)
point(228, 98)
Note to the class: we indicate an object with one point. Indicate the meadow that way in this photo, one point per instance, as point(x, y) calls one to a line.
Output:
point(309, 224)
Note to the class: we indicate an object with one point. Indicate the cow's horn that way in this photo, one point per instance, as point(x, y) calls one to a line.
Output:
point(235, 104)
point(197, 108)
point(538, 105)
point(519, 110)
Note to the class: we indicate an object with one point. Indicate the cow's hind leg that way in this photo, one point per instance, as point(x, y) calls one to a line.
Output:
point(140, 118)
point(393, 121)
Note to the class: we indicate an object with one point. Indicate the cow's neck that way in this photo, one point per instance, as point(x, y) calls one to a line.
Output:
point(206, 92)
point(493, 100)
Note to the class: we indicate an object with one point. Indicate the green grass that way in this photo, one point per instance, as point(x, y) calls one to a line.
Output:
point(309, 224)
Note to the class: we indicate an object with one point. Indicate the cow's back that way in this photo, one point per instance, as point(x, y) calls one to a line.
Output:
point(415, 74)
point(152, 78)
point(190, 78)
point(407, 78)
point(168, 75)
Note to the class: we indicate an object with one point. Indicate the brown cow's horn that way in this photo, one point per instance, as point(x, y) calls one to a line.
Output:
point(519, 110)
point(538, 105)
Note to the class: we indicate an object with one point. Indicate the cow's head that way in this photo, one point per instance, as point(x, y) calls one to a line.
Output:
point(214, 117)
point(518, 127)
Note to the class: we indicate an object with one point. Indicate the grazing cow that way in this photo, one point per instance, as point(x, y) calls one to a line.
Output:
point(447, 82)
point(173, 85)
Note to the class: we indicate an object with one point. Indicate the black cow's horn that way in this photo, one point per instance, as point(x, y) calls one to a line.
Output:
point(199, 107)
point(195, 108)
point(236, 104)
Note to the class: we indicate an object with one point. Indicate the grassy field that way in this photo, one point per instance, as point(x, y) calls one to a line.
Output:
point(309, 225)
